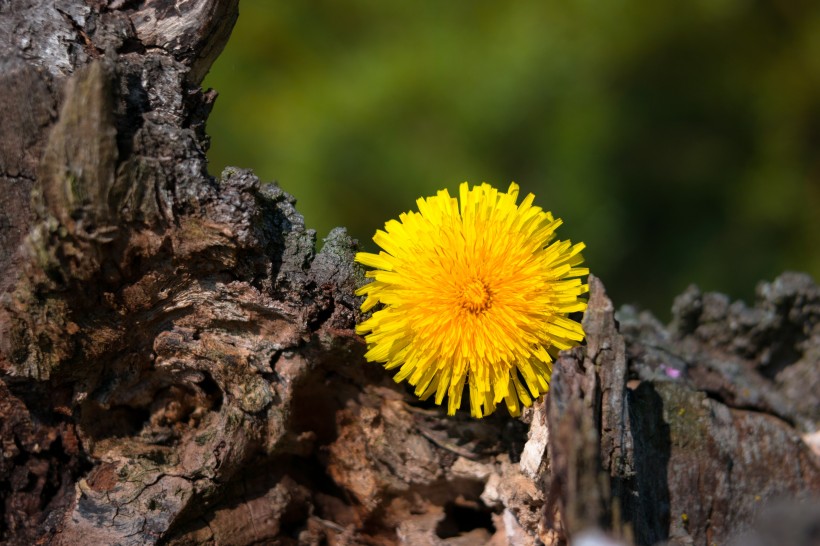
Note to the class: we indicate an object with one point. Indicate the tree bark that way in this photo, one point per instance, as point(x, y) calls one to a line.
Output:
point(178, 365)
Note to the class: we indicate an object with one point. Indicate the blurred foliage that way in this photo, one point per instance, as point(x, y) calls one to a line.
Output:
point(679, 141)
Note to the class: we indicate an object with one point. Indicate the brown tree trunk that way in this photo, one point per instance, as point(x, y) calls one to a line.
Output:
point(178, 366)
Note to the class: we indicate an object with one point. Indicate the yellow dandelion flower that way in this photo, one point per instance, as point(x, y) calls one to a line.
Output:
point(474, 292)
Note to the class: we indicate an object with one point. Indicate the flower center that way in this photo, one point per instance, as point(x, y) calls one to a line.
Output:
point(476, 297)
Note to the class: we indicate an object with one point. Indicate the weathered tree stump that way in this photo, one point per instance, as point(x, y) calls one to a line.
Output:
point(178, 366)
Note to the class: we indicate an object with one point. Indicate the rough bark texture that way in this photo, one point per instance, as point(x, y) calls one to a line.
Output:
point(177, 363)
point(686, 433)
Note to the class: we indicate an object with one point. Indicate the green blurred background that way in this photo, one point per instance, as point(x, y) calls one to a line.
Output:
point(679, 141)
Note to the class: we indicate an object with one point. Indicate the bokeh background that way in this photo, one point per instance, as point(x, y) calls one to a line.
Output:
point(679, 141)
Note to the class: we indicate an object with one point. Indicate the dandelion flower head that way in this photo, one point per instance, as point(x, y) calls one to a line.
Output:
point(473, 290)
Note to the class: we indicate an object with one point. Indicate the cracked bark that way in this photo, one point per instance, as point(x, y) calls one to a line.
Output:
point(177, 363)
